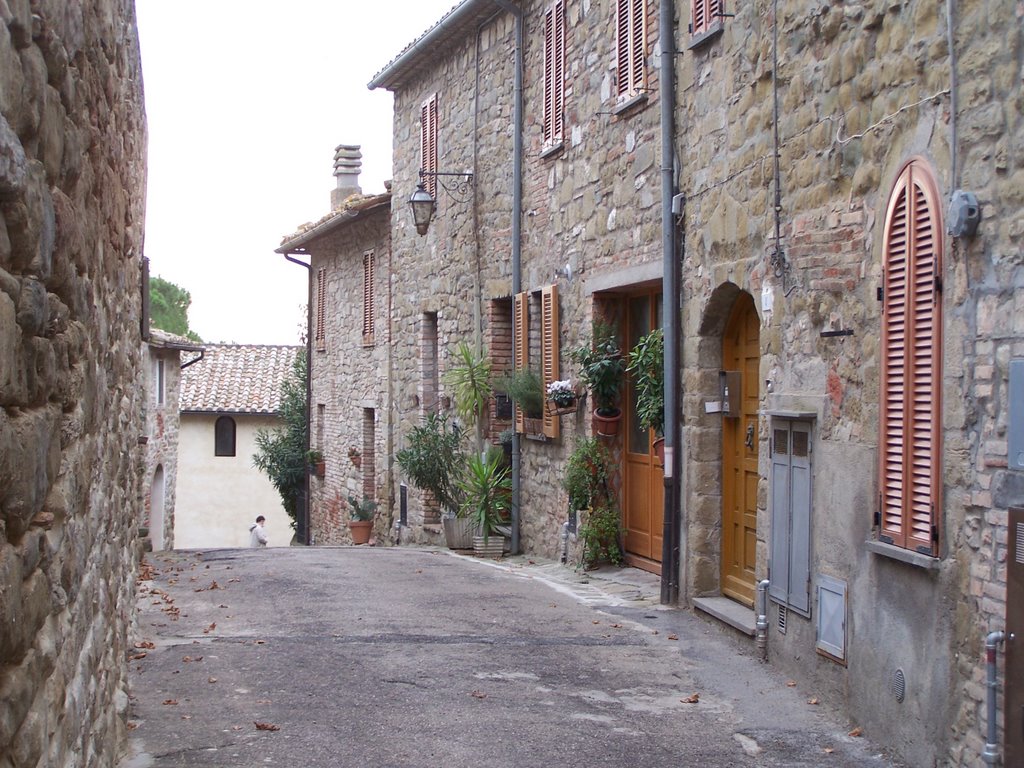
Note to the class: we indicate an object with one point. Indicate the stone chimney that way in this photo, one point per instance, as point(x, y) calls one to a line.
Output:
point(347, 164)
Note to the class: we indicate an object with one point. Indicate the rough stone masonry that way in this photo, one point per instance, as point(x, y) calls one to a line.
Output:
point(72, 175)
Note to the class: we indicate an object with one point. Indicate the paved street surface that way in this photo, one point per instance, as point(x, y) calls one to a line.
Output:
point(307, 657)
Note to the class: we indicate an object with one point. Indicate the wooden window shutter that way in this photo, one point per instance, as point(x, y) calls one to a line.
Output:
point(630, 23)
point(320, 333)
point(428, 143)
point(638, 44)
point(520, 343)
point(622, 46)
point(705, 14)
point(549, 350)
point(911, 365)
point(368, 297)
point(554, 72)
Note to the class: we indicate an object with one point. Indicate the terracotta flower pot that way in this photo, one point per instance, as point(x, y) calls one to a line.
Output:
point(360, 530)
point(607, 425)
point(659, 450)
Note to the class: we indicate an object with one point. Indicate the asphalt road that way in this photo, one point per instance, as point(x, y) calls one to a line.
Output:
point(403, 657)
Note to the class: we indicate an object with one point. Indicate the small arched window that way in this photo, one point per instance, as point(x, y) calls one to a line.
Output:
point(224, 437)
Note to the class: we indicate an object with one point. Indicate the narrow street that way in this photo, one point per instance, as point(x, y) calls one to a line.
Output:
point(405, 657)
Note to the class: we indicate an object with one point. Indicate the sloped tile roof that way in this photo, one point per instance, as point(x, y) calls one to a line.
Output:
point(237, 378)
point(351, 210)
point(167, 340)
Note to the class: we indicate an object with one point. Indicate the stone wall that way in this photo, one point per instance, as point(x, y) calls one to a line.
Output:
point(350, 381)
point(72, 143)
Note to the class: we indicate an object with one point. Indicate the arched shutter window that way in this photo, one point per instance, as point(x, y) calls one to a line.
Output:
point(224, 437)
point(910, 413)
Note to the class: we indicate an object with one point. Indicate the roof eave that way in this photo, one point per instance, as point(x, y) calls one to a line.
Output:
point(344, 216)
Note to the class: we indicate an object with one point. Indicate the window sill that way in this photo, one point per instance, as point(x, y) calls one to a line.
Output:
point(552, 150)
point(633, 102)
point(709, 34)
point(918, 560)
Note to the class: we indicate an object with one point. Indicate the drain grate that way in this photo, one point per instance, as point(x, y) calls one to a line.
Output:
point(783, 615)
point(898, 685)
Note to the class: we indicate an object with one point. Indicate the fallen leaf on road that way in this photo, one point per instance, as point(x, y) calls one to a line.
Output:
point(222, 606)
point(187, 659)
point(813, 701)
point(186, 717)
point(595, 621)
point(137, 656)
point(791, 683)
point(145, 644)
point(478, 695)
point(260, 642)
point(211, 680)
point(828, 750)
point(232, 581)
point(132, 726)
point(654, 631)
point(691, 699)
point(531, 562)
point(264, 701)
point(673, 637)
point(210, 628)
point(236, 727)
point(266, 726)
point(858, 731)
point(170, 702)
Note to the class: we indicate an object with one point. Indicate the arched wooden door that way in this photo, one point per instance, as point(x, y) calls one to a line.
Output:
point(741, 352)
point(643, 477)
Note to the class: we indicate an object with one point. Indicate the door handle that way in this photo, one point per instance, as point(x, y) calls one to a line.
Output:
point(750, 437)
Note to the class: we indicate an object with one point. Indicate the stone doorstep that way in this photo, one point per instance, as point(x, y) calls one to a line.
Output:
point(729, 611)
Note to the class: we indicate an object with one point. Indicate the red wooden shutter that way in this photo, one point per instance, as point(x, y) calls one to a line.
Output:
point(554, 72)
point(549, 350)
point(911, 345)
point(637, 45)
point(368, 298)
point(706, 13)
point(622, 46)
point(320, 334)
point(428, 143)
point(520, 343)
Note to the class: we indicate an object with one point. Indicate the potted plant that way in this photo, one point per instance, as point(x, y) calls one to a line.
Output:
point(470, 381)
point(561, 397)
point(356, 457)
point(486, 486)
point(601, 369)
point(586, 474)
point(361, 522)
point(432, 459)
point(527, 392)
point(647, 366)
point(316, 462)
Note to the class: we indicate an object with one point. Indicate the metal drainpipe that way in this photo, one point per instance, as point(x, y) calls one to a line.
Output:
point(761, 627)
point(309, 379)
point(517, 219)
point(671, 309)
point(992, 643)
point(953, 100)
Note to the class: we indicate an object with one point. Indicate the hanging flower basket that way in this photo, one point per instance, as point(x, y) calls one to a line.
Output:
point(562, 398)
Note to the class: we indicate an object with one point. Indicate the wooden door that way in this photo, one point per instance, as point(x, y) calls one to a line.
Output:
point(741, 352)
point(643, 477)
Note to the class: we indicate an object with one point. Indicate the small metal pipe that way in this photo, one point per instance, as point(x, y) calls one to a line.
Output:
point(761, 627)
point(992, 642)
point(308, 540)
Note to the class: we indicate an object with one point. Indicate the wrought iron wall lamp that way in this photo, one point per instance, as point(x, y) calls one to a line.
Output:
point(423, 205)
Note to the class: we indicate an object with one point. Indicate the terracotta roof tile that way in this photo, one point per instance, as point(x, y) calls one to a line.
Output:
point(237, 378)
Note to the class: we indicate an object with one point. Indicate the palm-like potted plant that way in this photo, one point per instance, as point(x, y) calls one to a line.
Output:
point(470, 381)
point(361, 523)
point(526, 390)
point(486, 487)
point(601, 368)
point(647, 366)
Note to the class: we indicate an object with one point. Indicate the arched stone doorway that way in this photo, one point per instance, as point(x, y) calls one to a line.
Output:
point(722, 461)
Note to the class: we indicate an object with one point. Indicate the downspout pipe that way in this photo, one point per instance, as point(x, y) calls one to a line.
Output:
point(671, 309)
point(992, 642)
point(517, 223)
point(309, 384)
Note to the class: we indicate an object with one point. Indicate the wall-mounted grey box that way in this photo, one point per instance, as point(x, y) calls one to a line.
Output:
point(1015, 460)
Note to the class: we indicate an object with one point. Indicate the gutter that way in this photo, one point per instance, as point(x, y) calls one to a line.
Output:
point(671, 310)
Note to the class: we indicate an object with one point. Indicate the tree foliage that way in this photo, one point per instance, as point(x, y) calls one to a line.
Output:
point(168, 308)
point(281, 452)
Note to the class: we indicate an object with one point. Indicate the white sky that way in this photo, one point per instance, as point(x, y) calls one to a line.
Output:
point(246, 102)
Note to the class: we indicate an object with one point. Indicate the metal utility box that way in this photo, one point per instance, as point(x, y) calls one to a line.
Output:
point(1015, 460)
point(1013, 692)
point(730, 392)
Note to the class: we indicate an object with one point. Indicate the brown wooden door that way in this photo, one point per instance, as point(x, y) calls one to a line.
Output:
point(643, 477)
point(741, 352)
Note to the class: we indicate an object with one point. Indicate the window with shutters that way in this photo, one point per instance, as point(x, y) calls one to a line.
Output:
point(320, 333)
point(161, 383)
point(368, 298)
point(706, 18)
point(790, 541)
point(631, 45)
point(428, 143)
point(546, 333)
point(554, 74)
point(910, 415)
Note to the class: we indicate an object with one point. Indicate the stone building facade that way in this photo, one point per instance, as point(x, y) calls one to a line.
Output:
point(860, 460)
point(162, 369)
point(72, 174)
point(351, 406)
